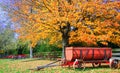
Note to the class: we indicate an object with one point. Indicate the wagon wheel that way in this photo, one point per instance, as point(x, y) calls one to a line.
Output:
point(80, 64)
point(96, 64)
point(114, 64)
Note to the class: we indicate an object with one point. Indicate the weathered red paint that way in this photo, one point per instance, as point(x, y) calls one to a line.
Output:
point(87, 53)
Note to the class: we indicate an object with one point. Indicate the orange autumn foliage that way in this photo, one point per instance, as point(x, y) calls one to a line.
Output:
point(96, 20)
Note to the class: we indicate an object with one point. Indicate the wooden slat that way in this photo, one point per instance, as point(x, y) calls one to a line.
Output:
point(115, 49)
point(116, 58)
point(115, 53)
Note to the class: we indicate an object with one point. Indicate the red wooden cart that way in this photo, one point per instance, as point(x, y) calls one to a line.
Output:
point(78, 56)
point(81, 55)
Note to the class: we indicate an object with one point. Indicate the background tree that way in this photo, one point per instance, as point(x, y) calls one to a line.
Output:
point(95, 20)
point(7, 38)
point(22, 47)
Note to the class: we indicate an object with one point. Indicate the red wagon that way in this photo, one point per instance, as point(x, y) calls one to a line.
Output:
point(81, 55)
point(78, 56)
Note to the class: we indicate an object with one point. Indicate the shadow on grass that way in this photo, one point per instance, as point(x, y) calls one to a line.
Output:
point(76, 69)
point(91, 68)
point(87, 69)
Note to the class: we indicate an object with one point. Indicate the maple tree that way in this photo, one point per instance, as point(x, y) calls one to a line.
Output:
point(95, 20)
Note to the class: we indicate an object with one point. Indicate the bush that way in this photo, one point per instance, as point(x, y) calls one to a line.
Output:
point(45, 48)
point(46, 51)
point(11, 52)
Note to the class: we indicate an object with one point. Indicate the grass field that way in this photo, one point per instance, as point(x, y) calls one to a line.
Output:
point(23, 66)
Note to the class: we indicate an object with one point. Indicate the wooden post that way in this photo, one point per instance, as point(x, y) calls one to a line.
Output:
point(31, 52)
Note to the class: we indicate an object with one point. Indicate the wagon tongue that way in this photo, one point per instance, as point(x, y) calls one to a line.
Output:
point(46, 66)
point(52, 64)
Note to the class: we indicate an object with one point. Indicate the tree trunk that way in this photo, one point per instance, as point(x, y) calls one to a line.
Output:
point(65, 37)
point(63, 48)
point(31, 52)
point(65, 43)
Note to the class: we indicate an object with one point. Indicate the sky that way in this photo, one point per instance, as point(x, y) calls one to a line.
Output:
point(5, 1)
point(4, 18)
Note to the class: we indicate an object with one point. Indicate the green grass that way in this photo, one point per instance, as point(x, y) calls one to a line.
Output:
point(23, 66)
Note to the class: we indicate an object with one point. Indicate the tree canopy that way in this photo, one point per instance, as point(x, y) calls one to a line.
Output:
point(94, 20)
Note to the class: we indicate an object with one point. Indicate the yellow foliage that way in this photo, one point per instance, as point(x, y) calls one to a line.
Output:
point(40, 19)
point(118, 17)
